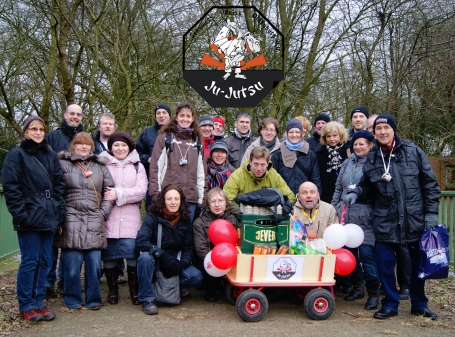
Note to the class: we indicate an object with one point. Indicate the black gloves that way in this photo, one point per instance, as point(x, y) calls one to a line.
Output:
point(182, 266)
point(156, 252)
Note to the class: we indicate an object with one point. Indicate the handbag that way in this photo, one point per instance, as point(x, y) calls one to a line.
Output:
point(167, 290)
point(434, 253)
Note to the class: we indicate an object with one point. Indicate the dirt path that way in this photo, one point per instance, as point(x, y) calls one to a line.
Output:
point(195, 317)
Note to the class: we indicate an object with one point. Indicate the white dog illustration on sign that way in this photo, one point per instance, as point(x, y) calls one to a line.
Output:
point(235, 50)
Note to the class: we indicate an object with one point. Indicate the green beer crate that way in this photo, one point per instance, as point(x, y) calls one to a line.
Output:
point(261, 229)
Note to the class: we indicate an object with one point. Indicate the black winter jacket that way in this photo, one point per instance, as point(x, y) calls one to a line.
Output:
point(315, 142)
point(174, 239)
point(145, 144)
point(305, 169)
point(25, 183)
point(329, 179)
point(99, 146)
point(401, 204)
point(60, 139)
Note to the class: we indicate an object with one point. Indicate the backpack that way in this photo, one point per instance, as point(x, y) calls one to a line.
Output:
point(268, 197)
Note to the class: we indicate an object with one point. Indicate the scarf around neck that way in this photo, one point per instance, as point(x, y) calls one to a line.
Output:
point(218, 174)
point(335, 160)
point(172, 217)
point(242, 137)
point(293, 147)
point(269, 146)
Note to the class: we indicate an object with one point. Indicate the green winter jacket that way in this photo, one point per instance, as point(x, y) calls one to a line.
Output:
point(243, 180)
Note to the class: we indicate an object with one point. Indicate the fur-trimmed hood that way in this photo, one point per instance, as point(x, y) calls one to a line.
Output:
point(72, 156)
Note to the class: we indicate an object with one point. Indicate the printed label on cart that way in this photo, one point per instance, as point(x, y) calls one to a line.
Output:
point(284, 268)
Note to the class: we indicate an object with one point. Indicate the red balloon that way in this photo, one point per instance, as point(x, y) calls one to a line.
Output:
point(222, 231)
point(224, 255)
point(345, 262)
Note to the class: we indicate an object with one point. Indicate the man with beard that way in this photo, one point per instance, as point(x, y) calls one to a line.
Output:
point(310, 209)
point(61, 138)
point(106, 127)
point(239, 141)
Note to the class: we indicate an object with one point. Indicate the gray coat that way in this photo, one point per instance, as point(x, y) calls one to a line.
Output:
point(87, 210)
point(351, 173)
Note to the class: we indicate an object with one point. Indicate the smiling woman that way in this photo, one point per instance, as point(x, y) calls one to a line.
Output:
point(178, 158)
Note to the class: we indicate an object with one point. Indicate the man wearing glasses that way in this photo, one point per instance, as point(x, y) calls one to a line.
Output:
point(60, 138)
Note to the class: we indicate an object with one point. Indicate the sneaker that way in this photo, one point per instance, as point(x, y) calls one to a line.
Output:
point(32, 315)
point(47, 315)
point(184, 292)
point(95, 307)
point(149, 308)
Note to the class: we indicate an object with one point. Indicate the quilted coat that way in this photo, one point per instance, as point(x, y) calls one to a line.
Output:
point(87, 211)
point(131, 186)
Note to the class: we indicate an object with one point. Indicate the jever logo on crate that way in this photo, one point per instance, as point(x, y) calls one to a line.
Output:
point(233, 56)
point(284, 268)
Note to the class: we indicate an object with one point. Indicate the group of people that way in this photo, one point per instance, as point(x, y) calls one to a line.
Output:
point(82, 194)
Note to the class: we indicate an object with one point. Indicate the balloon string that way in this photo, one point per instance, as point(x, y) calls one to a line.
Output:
point(343, 213)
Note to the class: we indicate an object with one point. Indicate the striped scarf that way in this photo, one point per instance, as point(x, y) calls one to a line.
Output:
point(217, 175)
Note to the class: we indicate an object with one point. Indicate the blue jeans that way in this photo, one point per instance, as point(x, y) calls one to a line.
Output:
point(192, 210)
point(36, 250)
point(72, 265)
point(52, 275)
point(386, 260)
point(365, 269)
point(146, 271)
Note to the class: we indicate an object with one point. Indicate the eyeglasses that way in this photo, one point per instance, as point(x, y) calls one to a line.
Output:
point(82, 144)
point(36, 129)
point(217, 201)
point(269, 130)
point(78, 114)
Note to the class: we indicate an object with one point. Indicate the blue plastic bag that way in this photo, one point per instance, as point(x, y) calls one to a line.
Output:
point(434, 253)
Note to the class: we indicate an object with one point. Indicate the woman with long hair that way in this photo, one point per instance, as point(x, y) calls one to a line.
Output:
point(178, 158)
point(125, 219)
point(171, 211)
point(83, 233)
point(33, 186)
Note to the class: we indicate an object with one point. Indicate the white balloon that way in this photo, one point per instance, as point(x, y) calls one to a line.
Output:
point(355, 235)
point(335, 236)
point(211, 269)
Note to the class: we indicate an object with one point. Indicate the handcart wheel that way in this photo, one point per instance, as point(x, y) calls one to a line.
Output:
point(252, 305)
point(297, 294)
point(319, 304)
point(232, 293)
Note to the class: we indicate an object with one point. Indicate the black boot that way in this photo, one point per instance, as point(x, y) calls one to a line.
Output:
point(372, 303)
point(356, 293)
point(111, 277)
point(133, 284)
